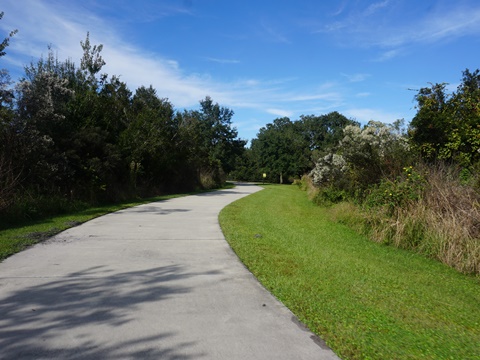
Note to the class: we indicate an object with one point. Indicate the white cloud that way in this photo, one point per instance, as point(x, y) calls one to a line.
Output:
point(366, 28)
point(273, 34)
point(363, 94)
point(222, 61)
point(364, 115)
point(387, 55)
point(280, 112)
point(373, 8)
point(356, 77)
point(331, 96)
point(340, 10)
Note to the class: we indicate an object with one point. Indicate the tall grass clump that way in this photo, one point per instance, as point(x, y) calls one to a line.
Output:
point(451, 214)
point(305, 183)
point(429, 210)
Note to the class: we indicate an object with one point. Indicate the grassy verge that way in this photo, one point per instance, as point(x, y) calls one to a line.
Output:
point(366, 300)
point(22, 234)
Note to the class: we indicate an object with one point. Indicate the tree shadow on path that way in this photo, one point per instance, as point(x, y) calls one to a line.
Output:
point(74, 307)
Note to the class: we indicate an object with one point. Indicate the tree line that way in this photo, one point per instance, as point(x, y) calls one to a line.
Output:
point(340, 153)
point(72, 133)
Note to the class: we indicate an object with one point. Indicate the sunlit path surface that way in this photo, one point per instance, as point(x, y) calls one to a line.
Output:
point(157, 281)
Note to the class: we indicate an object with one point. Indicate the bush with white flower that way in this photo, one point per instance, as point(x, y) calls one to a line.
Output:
point(363, 157)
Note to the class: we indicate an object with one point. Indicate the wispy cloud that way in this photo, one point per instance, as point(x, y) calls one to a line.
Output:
point(356, 77)
point(273, 35)
point(339, 10)
point(375, 7)
point(222, 61)
point(144, 11)
point(387, 55)
point(280, 112)
point(363, 94)
point(364, 115)
point(377, 25)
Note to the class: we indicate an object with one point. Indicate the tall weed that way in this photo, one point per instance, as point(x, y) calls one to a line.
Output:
point(442, 222)
point(31, 206)
point(430, 210)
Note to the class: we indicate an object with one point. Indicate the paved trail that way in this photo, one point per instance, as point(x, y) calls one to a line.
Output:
point(157, 281)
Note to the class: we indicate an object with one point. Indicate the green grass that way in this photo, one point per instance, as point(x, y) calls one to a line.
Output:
point(366, 300)
point(19, 236)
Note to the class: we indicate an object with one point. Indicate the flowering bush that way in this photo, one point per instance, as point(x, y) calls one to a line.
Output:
point(328, 168)
point(364, 156)
point(374, 151)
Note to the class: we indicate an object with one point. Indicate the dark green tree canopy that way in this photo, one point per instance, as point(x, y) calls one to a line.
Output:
point(81, 134)
point(447, 126)
point(288, 149)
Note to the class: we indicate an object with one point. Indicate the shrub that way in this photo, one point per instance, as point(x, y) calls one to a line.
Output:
point(399, 193)
point(305, 183)
point(32, 206)
point(431, 210)
point(364, 157)
point(330, 195)
point(436, 214)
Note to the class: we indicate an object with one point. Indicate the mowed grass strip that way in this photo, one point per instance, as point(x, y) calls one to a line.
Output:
point(19, 236)
point(366, 300)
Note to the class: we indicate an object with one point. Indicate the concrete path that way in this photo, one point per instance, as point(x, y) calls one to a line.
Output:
point(157, 281)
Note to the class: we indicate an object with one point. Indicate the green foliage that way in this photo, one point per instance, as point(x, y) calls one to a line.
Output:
point(362, 159)
point(246, 168)
point(329, 195)
point(5, 42)
point(399, 193)
point(447, 126)
point(10, 169)
point(430, 210)
point(31, 206)
point(324, 132)
point(79, 134)
point(280, 150)
point(220, 144)
point(284, 149)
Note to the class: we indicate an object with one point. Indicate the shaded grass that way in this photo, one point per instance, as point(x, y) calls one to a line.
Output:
point(366, 300)
point(22, 234)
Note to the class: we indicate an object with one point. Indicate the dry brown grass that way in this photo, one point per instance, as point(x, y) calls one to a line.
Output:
point(451, 211)
point(443, 224)
point(306, 184)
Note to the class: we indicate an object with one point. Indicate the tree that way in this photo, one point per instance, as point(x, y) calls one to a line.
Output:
point(363, 157)
point(10, 168)
point(325, 131)
point(4, 44)
point(429, 127)
point(71, 121)
point(147, 142)
point(246, 167)
point(41, 100)
point(447, 126)
point(214, 139)
point(281, 150)
point(92, 62)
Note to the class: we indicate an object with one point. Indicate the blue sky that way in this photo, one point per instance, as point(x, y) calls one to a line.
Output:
point(265, 58)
